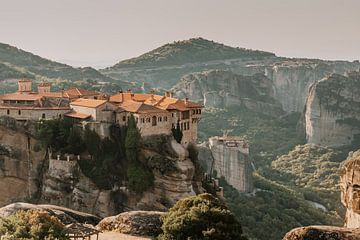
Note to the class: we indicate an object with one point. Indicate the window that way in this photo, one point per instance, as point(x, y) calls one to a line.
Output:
point(172, 115)
point(124, 118)
point(8, 112)
point(148, 119)
point(43, 116)
point(185, 115)
point(160, 119)
point(143, 120)
point(165, 119)
point(188, 125)
point(19, 112)
point(154, 123)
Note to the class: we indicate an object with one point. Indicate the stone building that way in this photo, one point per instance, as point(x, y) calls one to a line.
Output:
point(154, 114)
point(28, 105)
point(231, 161)
point(157, 114)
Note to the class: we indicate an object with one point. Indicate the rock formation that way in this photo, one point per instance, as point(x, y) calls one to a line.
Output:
point(332, 115)
point(350, 189)
point(293, 78)
point(229, 157)
point(66, 215)
point(223, 89)
point(138, 223)
point(27, 173)
point(323, 233)
point(21, 161)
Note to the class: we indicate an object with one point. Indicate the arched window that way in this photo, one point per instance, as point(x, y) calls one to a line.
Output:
point(19, 112)
point(8, 112)
point(43, 116)
point(154, 122)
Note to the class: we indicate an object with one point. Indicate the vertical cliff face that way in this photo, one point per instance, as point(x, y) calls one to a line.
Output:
point(292, 79)
point(229, 157)
point(350, 189)
point(222, 89)
point(20, 163)
point(332, 115)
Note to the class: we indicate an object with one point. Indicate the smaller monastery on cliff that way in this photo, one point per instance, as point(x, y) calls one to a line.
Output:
point(154, 114)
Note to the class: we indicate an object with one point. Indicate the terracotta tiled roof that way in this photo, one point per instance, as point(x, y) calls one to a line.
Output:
point(78, 92)
point(77, 115)
point(44, 84)
point(19, 96)
point(2, 106)
point(90, 103)
point(139, 107)
point(25, 80)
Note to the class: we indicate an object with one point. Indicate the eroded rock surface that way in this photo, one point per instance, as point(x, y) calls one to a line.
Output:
point(350, 189)
point(323, 233)
point(140, 223)
point(332, 116)
point(66, 215)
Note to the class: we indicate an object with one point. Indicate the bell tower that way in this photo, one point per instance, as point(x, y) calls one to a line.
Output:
point(44, 87)
point(24, 86)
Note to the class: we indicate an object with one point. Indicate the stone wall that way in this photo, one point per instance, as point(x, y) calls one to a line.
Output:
point(33, 113)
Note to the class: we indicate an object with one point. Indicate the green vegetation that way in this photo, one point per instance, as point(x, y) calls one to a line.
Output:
point(140, 177)
point(31, 225)
point(273, 210)
point(177, 133)
point(190, 51)
point(200, 217)
point(287, 177)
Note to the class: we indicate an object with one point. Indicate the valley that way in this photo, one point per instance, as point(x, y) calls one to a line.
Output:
point(299, 116)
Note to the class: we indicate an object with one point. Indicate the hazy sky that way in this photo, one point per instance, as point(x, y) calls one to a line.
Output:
point(102, 32)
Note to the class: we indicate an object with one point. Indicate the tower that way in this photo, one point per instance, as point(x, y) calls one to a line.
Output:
point(44, 87)
point(24, 86)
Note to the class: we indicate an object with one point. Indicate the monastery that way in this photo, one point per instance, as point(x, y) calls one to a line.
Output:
point(154, 114)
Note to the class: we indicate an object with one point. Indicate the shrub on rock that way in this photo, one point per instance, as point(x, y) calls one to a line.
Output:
point(200, 217)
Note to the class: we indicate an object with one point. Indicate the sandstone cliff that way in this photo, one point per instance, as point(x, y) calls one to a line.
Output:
point(27, 173)
point(350, 189)
point(293, 78)
point(21, 161)
point(223, 89)
point(332, 114)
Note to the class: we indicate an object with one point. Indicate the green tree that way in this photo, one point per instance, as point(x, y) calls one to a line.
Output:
point(140, 177)
point(30, 225)
point(200, 217)
point(132, 141)
point(92, 142)
point(177, 133)
point(75, 143)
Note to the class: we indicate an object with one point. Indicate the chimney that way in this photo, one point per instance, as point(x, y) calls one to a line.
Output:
point(168, 94)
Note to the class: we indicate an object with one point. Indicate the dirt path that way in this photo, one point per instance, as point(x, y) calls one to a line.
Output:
point(117, 236)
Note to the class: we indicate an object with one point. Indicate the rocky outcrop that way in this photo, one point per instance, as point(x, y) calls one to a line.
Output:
point(138, 223)
point(323, 233)
point(65, 185)
point(293, 78)
point(350, 189)
point(229, 158)
point(66, 215)
point(21, 161)
point(173, 173)
point(332, 115)
point(223, 89)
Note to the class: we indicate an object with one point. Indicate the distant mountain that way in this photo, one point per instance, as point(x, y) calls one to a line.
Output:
point(190, 51)
point(17, 63)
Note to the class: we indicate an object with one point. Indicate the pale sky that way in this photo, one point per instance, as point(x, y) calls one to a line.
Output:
point(102, 32)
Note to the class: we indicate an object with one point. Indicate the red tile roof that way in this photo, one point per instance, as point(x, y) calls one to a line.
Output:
point(90, 103)
point(77, 115)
